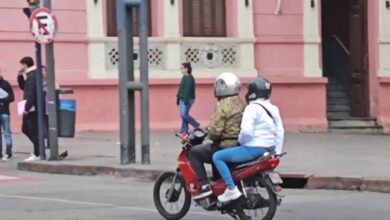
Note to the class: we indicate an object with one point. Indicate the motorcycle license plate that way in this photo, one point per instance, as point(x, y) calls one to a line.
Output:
point(275, 178)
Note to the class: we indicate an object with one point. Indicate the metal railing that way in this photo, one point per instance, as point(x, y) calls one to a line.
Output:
point(337, 61)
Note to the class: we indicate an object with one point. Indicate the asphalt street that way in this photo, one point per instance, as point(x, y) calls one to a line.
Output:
point(36, 196)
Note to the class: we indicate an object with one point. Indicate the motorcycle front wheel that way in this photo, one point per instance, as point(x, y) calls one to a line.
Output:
point(170, 197)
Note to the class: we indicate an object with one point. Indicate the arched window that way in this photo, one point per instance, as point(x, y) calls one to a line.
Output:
point(111, 19)
point(204, 18)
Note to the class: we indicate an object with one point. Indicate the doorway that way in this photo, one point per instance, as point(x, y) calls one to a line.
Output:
point(345, 57)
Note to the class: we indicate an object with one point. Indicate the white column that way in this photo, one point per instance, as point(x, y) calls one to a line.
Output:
point(95, 19)
point(245, 31)
point(247, 59)
point(171, 19)
point(172, 31)
point(311, 39)
point(96, 43)
point(384, 40)
point(245, 19)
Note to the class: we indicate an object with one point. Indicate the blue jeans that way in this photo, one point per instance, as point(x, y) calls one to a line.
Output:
point(234, 155)
point(6, 127)
point(185, 116)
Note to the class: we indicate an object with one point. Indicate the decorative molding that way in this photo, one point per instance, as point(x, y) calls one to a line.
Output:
point(202, 53)
point(156, 56)
point(178, 40)
point(210, 55)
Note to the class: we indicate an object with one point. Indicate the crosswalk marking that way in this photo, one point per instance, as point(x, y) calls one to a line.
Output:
point(5, 178)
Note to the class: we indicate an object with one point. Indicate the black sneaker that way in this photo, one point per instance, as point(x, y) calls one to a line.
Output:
point(203, 192)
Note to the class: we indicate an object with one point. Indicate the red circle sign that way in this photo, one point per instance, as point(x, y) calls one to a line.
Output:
point(43, 25)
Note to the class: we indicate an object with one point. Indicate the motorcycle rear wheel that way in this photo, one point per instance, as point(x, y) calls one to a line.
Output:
point(164, 198)
point(268, 200)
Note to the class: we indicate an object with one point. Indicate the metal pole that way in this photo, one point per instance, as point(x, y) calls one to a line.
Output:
point(126, 73)
point(51, 96)
point(143, 42)
point(39, 106)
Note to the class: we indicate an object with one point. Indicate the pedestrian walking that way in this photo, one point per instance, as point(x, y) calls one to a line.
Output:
point(27, 82)
point(6, 97)
point(186, 97)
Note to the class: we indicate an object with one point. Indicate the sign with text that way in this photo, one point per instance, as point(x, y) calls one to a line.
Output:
point(43, 25)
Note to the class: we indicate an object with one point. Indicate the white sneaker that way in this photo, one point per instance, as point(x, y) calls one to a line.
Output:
point(5, 158)
point(230, 195)
point(31, 158)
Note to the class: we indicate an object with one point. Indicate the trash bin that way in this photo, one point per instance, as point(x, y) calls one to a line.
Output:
point(66, 117)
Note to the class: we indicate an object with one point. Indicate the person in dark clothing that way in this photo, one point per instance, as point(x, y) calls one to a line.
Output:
point(30, 118)
point(6, 97)
point(186, 97)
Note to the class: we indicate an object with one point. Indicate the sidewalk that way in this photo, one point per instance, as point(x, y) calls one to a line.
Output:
point(337, 161)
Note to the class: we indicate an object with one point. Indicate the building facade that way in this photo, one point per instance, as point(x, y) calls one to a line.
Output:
point(327, 60)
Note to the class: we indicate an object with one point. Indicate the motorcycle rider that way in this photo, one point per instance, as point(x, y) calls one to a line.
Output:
point(223, 128)
point(261, 131)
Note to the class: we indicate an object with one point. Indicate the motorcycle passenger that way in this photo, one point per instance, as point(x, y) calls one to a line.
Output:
point(261, 131)
point(223, 128)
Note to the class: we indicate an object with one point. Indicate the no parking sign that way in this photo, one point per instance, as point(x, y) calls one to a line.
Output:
point(43, 25)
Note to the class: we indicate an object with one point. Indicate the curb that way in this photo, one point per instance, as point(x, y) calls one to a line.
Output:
point(86, 170)
point(290, 180)
point(348, 183)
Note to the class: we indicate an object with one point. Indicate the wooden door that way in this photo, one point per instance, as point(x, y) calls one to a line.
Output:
point(359, 59)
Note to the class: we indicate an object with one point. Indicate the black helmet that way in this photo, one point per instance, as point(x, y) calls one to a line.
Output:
point(258, 88)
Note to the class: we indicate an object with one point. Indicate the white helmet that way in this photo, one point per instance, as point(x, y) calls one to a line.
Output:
point(227, 84)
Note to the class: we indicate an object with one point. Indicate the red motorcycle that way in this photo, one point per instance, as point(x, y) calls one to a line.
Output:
point(256, 179)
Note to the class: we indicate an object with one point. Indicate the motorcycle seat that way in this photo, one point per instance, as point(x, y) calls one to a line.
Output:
point(249, 163)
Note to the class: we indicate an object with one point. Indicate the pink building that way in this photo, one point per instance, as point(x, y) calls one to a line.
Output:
point(326, 59)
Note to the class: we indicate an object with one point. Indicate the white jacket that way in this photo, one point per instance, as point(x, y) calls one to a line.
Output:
point(258, 129)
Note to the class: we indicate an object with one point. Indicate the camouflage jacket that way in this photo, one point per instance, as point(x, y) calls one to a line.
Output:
point(224, 126)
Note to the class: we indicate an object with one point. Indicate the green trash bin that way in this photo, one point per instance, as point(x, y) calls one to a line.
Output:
point(66, 117)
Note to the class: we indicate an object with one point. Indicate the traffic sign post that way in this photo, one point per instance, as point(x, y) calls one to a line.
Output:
point(51, 96)
point(39, 92)
point(43, 26)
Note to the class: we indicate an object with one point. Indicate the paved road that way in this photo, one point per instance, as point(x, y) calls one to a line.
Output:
point(30, 196)
point(311, 154)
